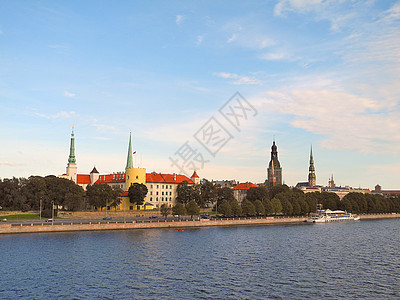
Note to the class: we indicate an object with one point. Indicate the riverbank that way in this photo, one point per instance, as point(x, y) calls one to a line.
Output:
point(101, 225)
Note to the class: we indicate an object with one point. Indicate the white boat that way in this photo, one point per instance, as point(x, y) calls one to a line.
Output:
point(327, 216)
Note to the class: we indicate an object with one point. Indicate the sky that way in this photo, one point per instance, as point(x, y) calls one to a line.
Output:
point(205, 85)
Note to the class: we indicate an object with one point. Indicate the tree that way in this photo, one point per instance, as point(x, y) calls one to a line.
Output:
point(187, 193)
point(276, 206)
point(208, 193)
point(268, 207)
point(224, 194)
point(116, 196)
point(179, 209)
point(165, 210)
point(99, 194)
point(137, 192)
point(225, 208)
point(236, 208)
point(192, 208)
point(248, 208)
point(257, 193)
point(260, 209)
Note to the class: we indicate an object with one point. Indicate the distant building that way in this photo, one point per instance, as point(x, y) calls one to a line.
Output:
point(240, 190)
point(274, 172)
point(162, 188)
point(386, 193)
point(225, 183)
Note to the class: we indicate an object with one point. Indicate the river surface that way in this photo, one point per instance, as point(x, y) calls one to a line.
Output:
point(310, 261)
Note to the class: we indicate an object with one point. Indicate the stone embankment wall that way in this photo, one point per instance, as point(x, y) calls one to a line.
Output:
point(30, 228)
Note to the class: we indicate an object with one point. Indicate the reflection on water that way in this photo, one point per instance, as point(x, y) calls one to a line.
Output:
point(346, 260)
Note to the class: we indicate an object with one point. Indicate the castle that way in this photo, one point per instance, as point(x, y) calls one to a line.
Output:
point(162, 188)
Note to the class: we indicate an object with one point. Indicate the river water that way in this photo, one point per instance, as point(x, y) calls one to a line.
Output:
point(314, 261)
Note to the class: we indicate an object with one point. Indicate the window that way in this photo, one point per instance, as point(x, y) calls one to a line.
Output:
point(151, 193)
point(157, 200)
point(137, 177)
point(118, 207)
point(130, 207)
point(151, 198)
point(157, 185)
point(162, 186)
point(162, 193)
point(162, 198)
point(151, 186)
point(170, 199)
point(170, 193)
point(156, 193)
point(170, 187)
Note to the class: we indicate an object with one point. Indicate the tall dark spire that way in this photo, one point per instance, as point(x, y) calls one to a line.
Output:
point(274, 173)
point(312, 178)
point(71, 159)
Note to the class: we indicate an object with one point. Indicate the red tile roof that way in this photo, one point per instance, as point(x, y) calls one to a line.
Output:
point(150, 177)
point(244, 186)
point(83, 178)
point(195, 175)
point(166, 178)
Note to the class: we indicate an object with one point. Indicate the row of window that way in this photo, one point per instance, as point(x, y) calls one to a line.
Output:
point(162, 193)
point(162, 186)
point(162, 199)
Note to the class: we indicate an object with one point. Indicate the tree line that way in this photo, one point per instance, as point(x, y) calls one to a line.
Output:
point(279, 200)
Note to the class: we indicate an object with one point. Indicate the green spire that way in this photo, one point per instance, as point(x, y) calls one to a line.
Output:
point(129, 161)
point(71, 159)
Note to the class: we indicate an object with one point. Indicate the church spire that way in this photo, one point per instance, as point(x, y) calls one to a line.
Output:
point(71, 159)
point(129, 161)
point(312, 179)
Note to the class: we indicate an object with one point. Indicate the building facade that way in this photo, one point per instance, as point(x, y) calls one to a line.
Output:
point(162, 188)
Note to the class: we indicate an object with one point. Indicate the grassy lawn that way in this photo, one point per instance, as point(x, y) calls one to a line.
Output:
point(22, 217)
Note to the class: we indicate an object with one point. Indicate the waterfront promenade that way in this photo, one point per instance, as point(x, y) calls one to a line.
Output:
point(103, 225)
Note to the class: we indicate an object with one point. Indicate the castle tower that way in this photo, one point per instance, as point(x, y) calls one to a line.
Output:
point(274, 172)
point(331, 182)
point(94, 175)
point(312, 178)
point(133, 175)
point(72, 169)
point(195, 178)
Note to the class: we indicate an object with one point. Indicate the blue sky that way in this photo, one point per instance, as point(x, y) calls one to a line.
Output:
point(316, 72)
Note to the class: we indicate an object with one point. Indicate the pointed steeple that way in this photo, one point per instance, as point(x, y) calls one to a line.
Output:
point(312, 178)
point(71, 159)
point(129, 161)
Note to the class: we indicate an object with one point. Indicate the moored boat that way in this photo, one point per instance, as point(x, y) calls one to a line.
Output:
point(327, 216)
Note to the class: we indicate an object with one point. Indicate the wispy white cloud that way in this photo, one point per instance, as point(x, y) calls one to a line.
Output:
point(179, 19)
point(232, 38)
point(7, 163)
point(237, 78)
point(69, 94)
point(274, 56)
point(344, 120)
point(59, 115)
point(199, 40)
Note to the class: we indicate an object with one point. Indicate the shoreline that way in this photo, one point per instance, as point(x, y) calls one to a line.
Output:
point(100, 226)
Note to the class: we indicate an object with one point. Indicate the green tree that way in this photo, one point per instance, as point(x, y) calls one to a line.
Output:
point(224, 194)
point(248, 208)
point(99, 194)
point(268, 207)
point(116, 197)
point(137, 192)
point(236, 208)
point(179, 209)
point(275, 190)
point(257, 193)
point(11, 197)
point(187, 193)
point(259, 206)
point(165, 210)
point(192, 208)
point(276, 206)
point(208, 194)
point(225, 208)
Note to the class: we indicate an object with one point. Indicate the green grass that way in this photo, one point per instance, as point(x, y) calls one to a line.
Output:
point(21, 217)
